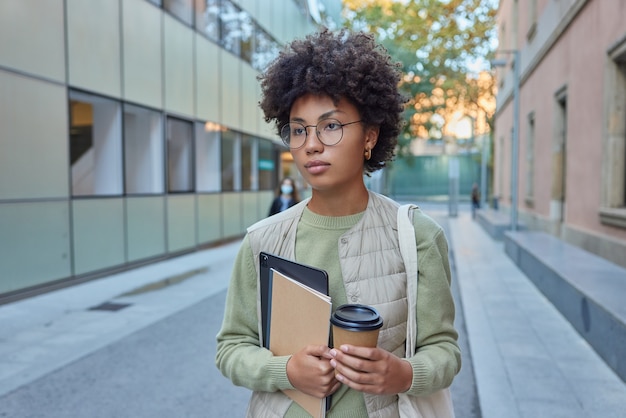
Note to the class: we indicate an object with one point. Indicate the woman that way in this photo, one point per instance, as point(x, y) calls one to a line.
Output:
point(335, 103)
point(287, 196)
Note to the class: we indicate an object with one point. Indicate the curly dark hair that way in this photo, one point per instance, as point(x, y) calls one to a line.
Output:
point(341, 65)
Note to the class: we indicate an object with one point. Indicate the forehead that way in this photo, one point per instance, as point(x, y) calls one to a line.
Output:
point(312, 106)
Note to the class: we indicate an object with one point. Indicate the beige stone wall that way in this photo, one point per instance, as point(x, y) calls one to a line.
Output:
point(573, 88)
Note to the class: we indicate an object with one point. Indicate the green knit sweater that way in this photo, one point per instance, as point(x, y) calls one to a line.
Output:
point(317, 245)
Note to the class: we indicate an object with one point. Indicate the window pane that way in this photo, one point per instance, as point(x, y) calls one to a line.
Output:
point(530, 152)
point(182, 9)
point(248, 31)
point(235, 29)
point(265, 50)
point(207, 18)
point(143, 151)
point(231, 161)
point(230, 27)
point(179, 155)
point(267, 165)
point(95, 145)
point(208, 157)
point(249, 180)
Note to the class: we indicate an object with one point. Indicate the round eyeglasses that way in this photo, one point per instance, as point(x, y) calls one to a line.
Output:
point(328, 131)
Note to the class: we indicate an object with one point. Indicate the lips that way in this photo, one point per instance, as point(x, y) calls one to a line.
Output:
point(315, 163)
point(316, 166)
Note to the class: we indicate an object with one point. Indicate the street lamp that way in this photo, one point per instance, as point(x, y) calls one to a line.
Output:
point(515, 143)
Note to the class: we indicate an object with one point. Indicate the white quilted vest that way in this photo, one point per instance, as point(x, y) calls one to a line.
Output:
point(373, 274)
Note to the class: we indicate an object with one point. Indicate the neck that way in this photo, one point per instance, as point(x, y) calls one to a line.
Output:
point(338, 204)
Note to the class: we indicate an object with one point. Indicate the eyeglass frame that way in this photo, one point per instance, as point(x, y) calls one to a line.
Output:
point(317, 132)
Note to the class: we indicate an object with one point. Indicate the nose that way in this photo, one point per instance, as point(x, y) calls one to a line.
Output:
point(312, 145)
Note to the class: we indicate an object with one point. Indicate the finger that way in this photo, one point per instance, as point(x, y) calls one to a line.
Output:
point(364, 385)
point(350, 374)
point(371, 353)
point(326, 369)
point(330, 381)
point(357, 364)
point(360, 364)
point(326, 355)
point(334, 388)
point(318, 351)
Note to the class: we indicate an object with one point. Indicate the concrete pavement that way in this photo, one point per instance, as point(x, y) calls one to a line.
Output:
point(528, 360)
point(44, 333)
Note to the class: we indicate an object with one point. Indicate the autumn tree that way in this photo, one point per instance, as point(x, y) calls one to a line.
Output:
point(436, 41)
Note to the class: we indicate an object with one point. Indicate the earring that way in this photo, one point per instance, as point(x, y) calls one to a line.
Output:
point(368, 154)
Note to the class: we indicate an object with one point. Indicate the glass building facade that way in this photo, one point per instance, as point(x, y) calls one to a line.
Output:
point(130, 131)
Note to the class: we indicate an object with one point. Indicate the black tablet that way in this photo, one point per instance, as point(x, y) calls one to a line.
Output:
point(310, 276)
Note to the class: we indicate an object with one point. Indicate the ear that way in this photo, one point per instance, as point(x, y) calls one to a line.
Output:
point(371, 136)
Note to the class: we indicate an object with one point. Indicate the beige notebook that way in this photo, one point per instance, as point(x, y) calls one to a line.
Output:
point(299, 316)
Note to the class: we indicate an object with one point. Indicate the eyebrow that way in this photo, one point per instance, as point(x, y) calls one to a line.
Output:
point(321, 117)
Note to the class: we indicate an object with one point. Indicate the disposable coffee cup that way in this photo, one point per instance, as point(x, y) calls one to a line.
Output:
point(356, 324)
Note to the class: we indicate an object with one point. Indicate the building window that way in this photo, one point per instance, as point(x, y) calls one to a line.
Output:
point(231, 161)
point(182, 9)
point(234, 28)
point(515, 20)
point(249, 168)
point(208, 157)
point(248, 34)
point(267, 164)
point(230, 20)
point(613, 211)
point(532, 19)
point(559, 149)
point(265, 49)
point(179, 155)
point(208, 18)
point(143, 151)
point(530, 160)
point(95, 145)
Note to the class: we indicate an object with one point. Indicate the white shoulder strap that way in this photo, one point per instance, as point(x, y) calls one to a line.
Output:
point(408, 248)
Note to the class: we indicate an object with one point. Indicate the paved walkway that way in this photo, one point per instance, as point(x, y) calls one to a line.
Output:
point(42, 334)
point(528, 360)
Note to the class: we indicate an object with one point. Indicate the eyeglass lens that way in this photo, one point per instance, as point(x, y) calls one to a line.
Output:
point(328, 131)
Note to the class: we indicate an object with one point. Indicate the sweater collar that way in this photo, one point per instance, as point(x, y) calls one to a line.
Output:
point(330, 222)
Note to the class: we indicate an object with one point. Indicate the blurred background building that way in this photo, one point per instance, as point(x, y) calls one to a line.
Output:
point(571, 121)
point(130, 130)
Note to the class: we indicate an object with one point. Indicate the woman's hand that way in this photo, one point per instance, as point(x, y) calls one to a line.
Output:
point(309, 371)
point(371, 370)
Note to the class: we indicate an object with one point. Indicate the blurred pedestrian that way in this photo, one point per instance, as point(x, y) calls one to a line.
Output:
point(286, 196)
point(475, 200)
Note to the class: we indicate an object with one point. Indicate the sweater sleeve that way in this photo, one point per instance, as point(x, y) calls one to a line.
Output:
point(438, 357)
point(239, 356)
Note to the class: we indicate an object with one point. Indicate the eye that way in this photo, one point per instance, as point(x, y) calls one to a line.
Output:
point(298, 130)
point(330, 125)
